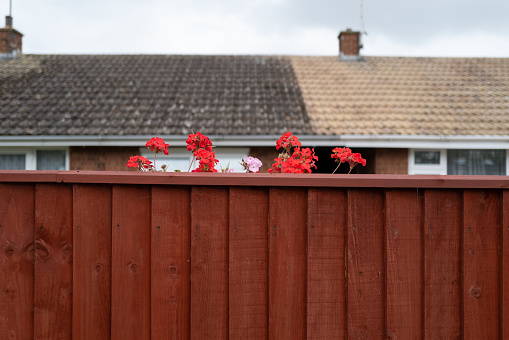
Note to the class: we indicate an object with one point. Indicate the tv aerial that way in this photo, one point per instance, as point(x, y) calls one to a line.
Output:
point(12, 38)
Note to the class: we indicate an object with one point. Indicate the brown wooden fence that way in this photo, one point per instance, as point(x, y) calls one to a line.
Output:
point(197, 256)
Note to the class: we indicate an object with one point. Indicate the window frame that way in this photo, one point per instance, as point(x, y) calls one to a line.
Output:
point(437, 169)
point(427, 169)
point(31, 154)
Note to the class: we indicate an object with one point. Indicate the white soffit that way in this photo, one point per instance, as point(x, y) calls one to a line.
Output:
point(380, 141)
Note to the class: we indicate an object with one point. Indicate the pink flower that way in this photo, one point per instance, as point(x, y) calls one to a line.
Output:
point(251, 164)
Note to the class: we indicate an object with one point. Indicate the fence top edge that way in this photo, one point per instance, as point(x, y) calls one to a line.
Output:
point(268, 180)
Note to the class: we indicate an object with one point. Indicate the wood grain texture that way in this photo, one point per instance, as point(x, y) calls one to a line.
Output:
point(53, 261)
point(287, 263)
point(481, 216)
point(404, 221)
point(248, 263)
point(504, 264)
point(365, 265)
point(266, 261)
point(442, 248)
point(16, 261)
point(209, 263)
point(170, 271)
point(326, 264)
point(91, 308)
point(266, 180)
point(130, 296)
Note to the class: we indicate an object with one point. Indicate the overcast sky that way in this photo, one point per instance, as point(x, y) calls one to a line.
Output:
point(450, 28)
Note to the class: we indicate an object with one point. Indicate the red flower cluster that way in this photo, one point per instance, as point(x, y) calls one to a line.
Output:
point(157, 144)
point(198, 141)
point(343, 155)
point(201, 147)
point(207, 160)
point(286, 141)
point(300, 161)
point(140, 162)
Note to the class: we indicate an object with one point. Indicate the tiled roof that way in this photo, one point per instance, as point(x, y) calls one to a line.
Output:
point(252, 95)
point(406, 96)
point(149, 95)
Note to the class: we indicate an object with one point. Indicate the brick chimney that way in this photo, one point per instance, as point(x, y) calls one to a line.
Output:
point(10, 40)
point(349, 45)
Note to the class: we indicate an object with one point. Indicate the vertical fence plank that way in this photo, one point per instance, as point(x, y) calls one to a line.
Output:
point(53, 261)
point(287, 263)
point(248, 281)
point(170, 269)
point(326, 264)
point(442, 225)
point(481, 216)
point(365, 266)
point(91, 308)
point(404, 217)
point(209, 263)
point(130, 296)
point(504, 263)
point(16, 262)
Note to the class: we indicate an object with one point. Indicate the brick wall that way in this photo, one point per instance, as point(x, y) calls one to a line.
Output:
point(391, 161)
point(101, 158)
point(4, 40)
point(349, 43)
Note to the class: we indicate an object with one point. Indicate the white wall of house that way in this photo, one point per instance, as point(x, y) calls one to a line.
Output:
point(180, 158)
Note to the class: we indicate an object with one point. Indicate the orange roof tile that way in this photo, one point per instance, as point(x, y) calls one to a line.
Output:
point(405, 96)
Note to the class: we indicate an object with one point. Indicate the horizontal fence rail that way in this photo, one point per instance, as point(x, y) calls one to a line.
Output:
point(107, 255)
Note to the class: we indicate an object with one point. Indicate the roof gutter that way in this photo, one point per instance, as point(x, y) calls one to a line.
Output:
point(360, 141)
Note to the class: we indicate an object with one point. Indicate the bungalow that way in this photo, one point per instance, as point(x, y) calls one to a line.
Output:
point(404, 114)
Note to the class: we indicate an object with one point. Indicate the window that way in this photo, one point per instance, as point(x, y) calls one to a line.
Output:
point(51, 160)
point(427, 162)
point(457, 162)
point(476, 162)
point(12, 162)
point(14, 158)
point(179, 158)
point(427, 157)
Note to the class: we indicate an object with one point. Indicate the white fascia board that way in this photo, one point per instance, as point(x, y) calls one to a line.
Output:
point(360, 141)
point(428, 142)
point(137, 141)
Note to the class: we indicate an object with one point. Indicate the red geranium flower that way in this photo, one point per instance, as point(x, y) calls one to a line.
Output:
point(139, 162)
point(198, 141)
point(300, 161)
point(286, 141)
point(157, 144)
point(207, 161)
point(343, 155)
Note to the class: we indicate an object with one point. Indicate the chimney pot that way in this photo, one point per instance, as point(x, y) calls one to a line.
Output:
point(8, 21)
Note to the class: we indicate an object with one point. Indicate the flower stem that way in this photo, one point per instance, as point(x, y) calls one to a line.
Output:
point(336, 168)
point(190, 165)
